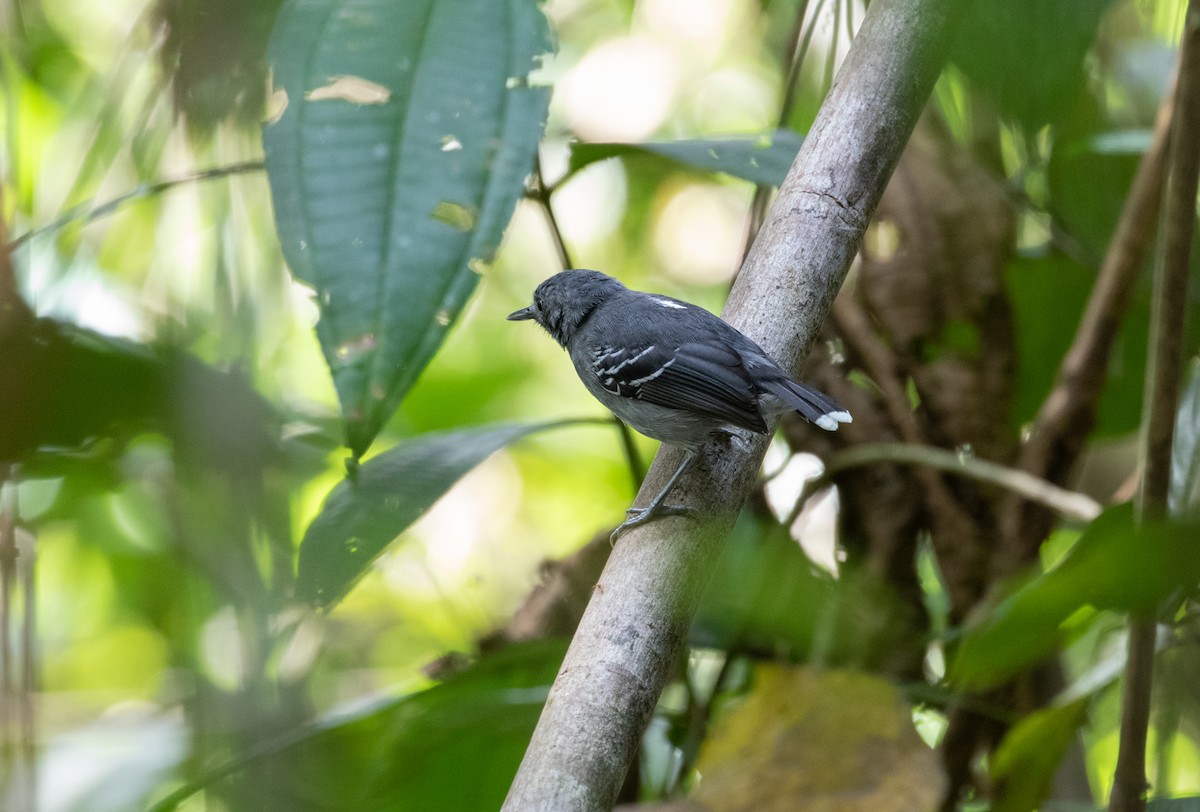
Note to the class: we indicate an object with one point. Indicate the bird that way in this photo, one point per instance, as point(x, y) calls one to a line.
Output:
point(669, 369)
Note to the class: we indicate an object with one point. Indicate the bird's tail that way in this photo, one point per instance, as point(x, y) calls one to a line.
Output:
point(814, 406)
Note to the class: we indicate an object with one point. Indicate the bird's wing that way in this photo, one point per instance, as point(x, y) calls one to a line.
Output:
point(703, 378)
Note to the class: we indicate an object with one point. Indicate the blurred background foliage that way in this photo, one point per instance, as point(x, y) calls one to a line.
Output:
point(170, 429)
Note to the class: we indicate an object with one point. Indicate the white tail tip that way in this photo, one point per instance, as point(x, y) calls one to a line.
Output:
point(830, 421)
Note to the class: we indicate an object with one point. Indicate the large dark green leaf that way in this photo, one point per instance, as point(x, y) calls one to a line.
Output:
point(408, 131)
point(1114, 565)
point(761, 159)
point(363, 514)
point(63, 388)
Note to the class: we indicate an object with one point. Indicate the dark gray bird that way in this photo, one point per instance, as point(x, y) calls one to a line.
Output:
point(669, 369)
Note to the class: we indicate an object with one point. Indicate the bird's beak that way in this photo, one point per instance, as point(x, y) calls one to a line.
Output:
point(522, 315)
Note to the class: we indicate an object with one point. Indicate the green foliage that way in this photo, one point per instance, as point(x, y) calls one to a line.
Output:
point(1088, 177)
point(216, 52)
point(1189, 804)
point(764, 160)
point(768, 598)
point(383, 496)
point(395, 167)
point(1025, 762)
point(1048, 296)
point(1116, 564)
point(122, 389)
point(118, 384)
point(1028, 55)
point(176, 428)
point(410, 753)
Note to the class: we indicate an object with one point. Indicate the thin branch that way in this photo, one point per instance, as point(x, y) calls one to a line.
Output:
point(1069, 503)
point(954, 531)
point(541, 193)
point(87, 212)
point(793, 59)
point(1161, 403)
point(640, 612)
point(1066, 416)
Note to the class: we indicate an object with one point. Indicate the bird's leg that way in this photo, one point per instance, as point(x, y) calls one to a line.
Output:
point(638, 516)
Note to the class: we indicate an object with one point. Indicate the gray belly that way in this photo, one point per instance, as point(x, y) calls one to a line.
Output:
point(671, 426)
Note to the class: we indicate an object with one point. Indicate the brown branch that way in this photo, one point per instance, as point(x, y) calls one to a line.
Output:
point(1069, 503)
point(1162, 398)
point(541, 192)
point(793, 59)
point(953, 532)
point(1066, 416)
point(87, 212)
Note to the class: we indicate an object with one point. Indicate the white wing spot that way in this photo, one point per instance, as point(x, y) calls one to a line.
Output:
point(626, 362)
point(653, 374)
point(671, 304)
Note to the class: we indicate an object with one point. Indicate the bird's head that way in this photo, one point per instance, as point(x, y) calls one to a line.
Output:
point(565, 300)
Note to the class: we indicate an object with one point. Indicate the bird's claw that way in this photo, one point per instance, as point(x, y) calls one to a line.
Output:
point(639, 516)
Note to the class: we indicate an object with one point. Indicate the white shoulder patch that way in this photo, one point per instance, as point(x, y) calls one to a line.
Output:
point(669, 303)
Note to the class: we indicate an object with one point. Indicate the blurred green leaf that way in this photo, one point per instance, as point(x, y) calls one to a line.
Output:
point(363, 514)
point(455, 745)
point(395, 167)
point(475, 726)
point(215, 52)
point(765, 595)
point(1026, 760)
point(1028, 55)
point(1048, 296)
point(63, 385)
point(1089, 176)
point(1184, 496)
point(763, 159)
point(1114, 565)
point(768, 597)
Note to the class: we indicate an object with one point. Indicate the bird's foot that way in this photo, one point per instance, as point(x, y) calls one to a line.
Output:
point(640, 516)
point(731, 438)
